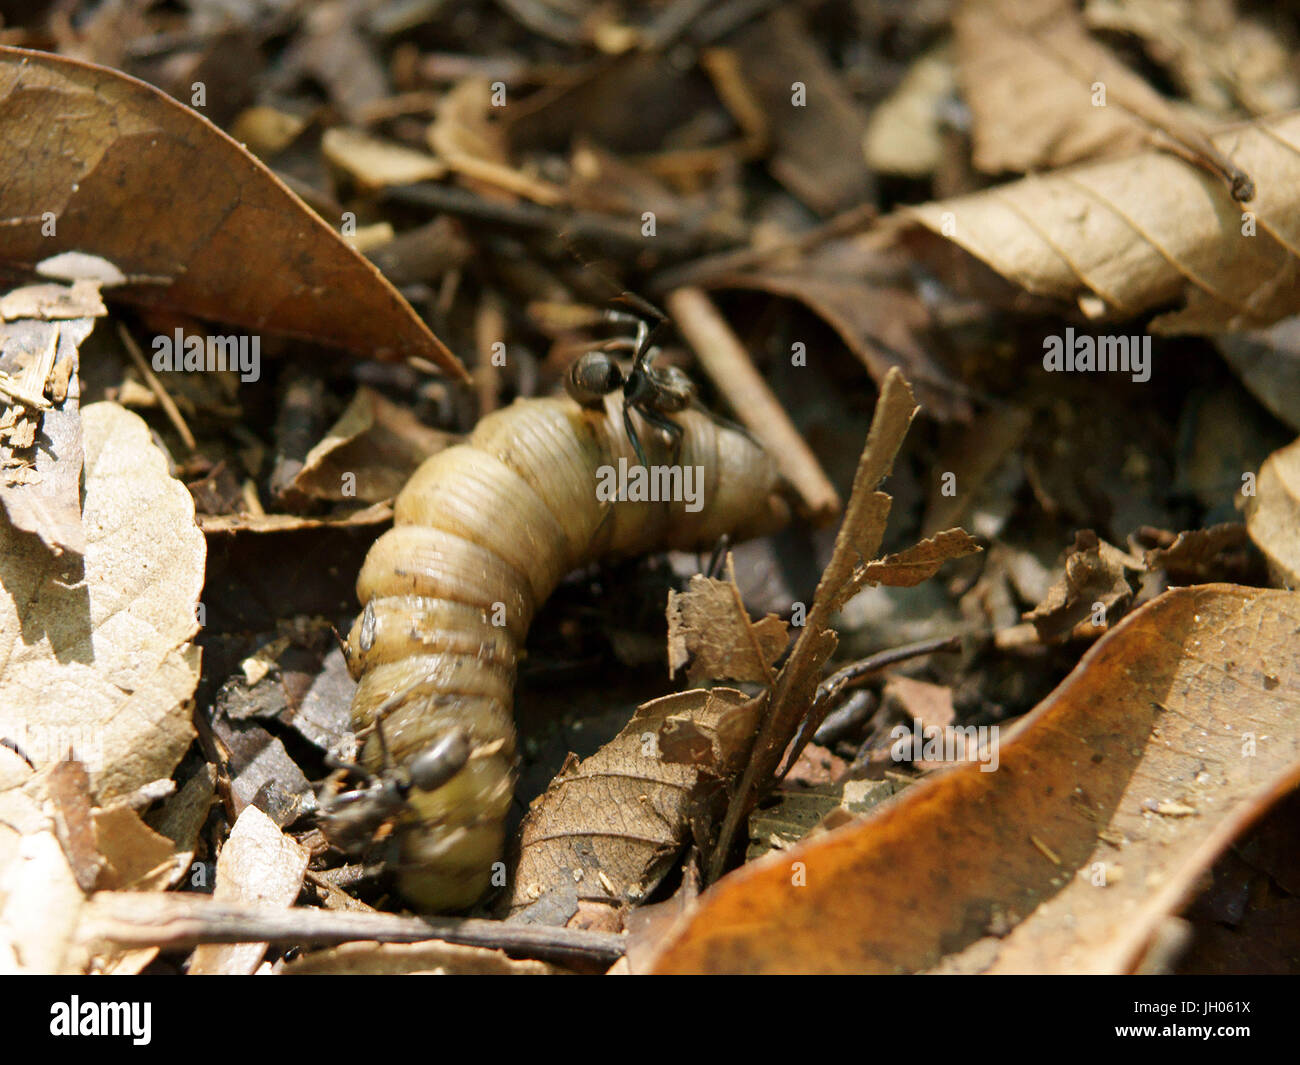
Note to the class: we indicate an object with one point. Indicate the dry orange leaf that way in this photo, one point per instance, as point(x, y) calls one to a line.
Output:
point(117, 168)
point(1111, 799)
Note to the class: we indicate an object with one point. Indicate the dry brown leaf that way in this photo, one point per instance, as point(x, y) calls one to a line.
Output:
point(259, 863)
point(110, 157)
point(375, 514)
point(67, 787)
point(1222, 58)
point(921, 561)
point(397, 959)
point(815, 142)
point(136, 857)
point(878, 323)
point(1094, 576)
point(1138, 233)
point(1273, 514)
point(1202, 556)
point(1044, 94)
point(709, 627)
point(1173, 734)
point(104, 666)
point(378, 442)
point(40, 908)
point(609, 827)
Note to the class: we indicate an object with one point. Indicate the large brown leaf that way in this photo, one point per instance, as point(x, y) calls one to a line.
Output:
point(128, 173)
point(1111, 799)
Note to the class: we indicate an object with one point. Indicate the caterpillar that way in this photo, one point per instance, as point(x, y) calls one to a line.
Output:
point(482, 534)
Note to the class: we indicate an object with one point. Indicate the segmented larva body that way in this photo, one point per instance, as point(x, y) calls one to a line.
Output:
point(482, 534)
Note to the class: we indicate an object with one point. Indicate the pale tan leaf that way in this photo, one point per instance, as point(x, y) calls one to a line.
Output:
point(101, 664)
point(374, 163)
point(1273, 514)
point(1128, 235)
point(259, 863)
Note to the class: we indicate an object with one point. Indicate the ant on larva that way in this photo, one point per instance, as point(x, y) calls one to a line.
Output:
point(482, 533)
point(652, 391)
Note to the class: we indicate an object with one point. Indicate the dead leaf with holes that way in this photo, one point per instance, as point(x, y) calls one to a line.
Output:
point(1110, 801)
point(610, 827)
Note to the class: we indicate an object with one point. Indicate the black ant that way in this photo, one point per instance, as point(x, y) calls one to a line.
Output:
point(654, 392)
point(353, 820)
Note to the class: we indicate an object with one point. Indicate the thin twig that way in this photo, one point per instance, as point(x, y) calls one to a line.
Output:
point(727, 363)
point(856, 672)
point(135, 919)
point(155, 386)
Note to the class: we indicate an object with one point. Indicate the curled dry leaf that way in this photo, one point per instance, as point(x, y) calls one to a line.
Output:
point(610, 826)
point(921, 561)
point(1273, 514)
point(1098, 234)
point(258, 864)
point(1110, 801)
point(99, 662)
point(1095, 576)
point(709, 627)
point(41, 328)
point(110, 157)
point(377, 442)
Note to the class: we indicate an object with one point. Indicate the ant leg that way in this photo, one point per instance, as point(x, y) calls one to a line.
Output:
point(719, 420)
point(632, 436)
point(674, 431)
point(718, 557)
